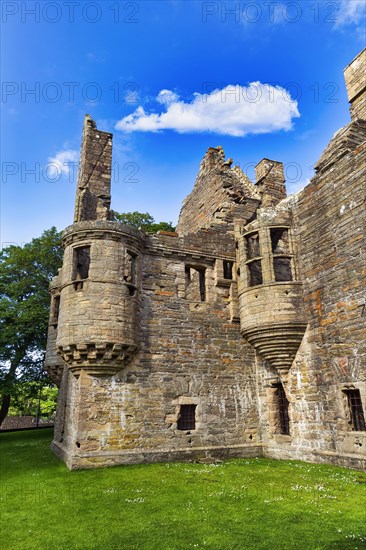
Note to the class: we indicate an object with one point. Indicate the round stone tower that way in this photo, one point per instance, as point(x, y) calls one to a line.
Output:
point(272, 316)
point(98, 324)
point(98, 287)
point(270, 298)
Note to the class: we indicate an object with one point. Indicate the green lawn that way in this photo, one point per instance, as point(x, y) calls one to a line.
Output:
point(239, 504)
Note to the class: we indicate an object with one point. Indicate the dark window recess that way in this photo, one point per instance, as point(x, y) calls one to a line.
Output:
point(130, 268)
point(228, 269)
point(282, 268)
point(130, 272)
point(81, 262)
point(252, 246)
point(255, 273)
point(202, 284)
point(356, 411)
point(279, 240)
point(188, 276)
point(55, 309)
point(81, 266)
point(195, 283)
point(282, 408)
point(187, 417)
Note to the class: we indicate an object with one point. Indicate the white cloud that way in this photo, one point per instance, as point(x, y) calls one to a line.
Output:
point(351, 12)
point(234, 110)
point(62, 164)
point(166, 97)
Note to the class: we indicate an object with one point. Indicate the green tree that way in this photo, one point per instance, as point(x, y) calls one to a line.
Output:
point(33, 398)
point(25, 274)
point(144, 221)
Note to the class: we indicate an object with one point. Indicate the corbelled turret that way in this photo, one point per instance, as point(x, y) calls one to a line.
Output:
point(97, 296)
point(272, 316)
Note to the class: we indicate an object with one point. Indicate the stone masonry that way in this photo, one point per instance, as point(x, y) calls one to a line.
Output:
point(242, 334)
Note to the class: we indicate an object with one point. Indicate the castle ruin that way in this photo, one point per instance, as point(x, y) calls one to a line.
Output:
point(240, 335)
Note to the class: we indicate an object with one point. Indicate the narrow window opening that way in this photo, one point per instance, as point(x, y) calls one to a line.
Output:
point(282, 269)
point(188, 276)
point(55, 310)
point(130, 272)
point(252, 246)
point(280, 240)
point(282, 410)
point(202, 285)
point(195, 283)
point(255, 273)
point(357, 417)
point(187, 417)
point(81, 263)
point(130, 268)
point(228, 269)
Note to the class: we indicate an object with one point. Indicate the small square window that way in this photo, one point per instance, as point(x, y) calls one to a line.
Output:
point(81, 262)
point(255, 273)
point(280, 240)
point(228, 269)
point(357, 417)
point(252, 246)
point(282, 269)
point(187, 417)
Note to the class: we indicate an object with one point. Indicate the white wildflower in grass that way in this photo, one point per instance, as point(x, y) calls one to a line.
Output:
point(275, 499)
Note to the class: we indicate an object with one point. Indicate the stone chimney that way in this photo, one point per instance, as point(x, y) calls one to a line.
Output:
point(355, 77)
point(270, 182)
point(93, 194)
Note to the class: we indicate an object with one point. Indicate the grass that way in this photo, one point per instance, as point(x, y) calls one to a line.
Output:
point(239, 504)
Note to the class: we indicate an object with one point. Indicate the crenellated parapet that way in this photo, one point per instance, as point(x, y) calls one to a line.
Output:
point(272, 316)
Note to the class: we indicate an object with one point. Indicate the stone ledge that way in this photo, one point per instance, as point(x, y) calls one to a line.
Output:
point(354, 461)
point(266, 450)
point(114, 229)
point(108, 458)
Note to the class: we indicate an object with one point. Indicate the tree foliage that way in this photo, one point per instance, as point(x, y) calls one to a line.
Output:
point(25, 274)
point(144, 221)
point(33, 398)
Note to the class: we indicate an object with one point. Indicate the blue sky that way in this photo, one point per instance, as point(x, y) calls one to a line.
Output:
point(169, 78)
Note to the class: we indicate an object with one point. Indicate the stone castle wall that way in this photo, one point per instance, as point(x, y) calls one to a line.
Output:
point(250, 319)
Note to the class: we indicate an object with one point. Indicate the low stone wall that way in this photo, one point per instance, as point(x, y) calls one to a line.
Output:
point(23, 422)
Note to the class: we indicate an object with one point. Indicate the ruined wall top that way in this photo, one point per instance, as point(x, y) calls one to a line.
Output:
point(270, 181)
point(93, 195)
point(355, 77)
point(219, 190)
